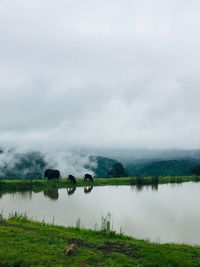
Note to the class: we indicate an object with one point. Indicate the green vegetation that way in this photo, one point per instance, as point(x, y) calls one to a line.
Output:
point(37, 185)
point(27, 243)
point(117, 170)
point(196, 169)
point(176, 167)
point(32, 165)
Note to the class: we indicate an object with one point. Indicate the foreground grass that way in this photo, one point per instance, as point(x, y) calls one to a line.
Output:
point(27, 243)
point(36, 185)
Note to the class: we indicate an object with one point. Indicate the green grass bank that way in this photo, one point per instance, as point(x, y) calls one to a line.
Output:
point(27, 243)
point(36, 185)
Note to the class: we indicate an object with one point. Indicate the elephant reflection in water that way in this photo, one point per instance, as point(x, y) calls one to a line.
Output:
point(87, 189)
point(51, 193)
point(71, 190)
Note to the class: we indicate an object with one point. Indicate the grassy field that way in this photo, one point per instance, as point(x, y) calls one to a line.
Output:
point(28, 243)
point(36, 185)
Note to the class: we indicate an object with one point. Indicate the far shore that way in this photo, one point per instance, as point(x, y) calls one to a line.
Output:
point(40, 184)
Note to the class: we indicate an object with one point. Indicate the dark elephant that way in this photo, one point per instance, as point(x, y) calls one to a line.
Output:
point(72, 179)
point(52, 174)
point(88, 177)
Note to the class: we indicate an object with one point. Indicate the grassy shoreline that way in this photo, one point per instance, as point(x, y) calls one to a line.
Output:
point(27, 243)
point(36, 185)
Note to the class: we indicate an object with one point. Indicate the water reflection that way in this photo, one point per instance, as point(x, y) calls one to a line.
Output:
point(140, 188)
point(18, 194)
point(167, 214)
point(71, 190)
point(88, 189)
point(54, 193)
point(51, 193)
point(154, 187)
point(176, 185)
point(24, 194)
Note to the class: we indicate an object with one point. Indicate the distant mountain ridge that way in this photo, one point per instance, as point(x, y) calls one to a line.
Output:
point(175, 162)
point(30, 165)
point(133, 155)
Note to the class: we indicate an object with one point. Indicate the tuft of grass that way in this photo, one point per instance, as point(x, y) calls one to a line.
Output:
point(18, 216)
point(1, 217)
point(78, 223)
point(107, 224)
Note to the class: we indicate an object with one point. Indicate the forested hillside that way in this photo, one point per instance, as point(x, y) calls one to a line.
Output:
point(31, 165)
point(161, 168)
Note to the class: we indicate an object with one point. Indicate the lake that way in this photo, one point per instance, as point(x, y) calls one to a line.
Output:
point(167, 213)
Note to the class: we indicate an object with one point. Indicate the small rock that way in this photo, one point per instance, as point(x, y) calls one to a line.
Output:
point(71, 249)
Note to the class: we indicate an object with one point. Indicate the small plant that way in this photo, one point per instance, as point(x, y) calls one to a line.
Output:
point(78, 223)
point(140, 180)
point(172, 180)
point(107, 224)
point(95, 227)
point(154, 179)
point(18, 216)
point(179, 179)
point(132, 181)
point(1, 217)
point(121, 232)
point(196, 178)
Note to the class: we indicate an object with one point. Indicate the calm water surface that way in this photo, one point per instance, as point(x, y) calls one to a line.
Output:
point(170, 213)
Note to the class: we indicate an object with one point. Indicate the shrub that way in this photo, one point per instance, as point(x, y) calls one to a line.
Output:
point(196, 169)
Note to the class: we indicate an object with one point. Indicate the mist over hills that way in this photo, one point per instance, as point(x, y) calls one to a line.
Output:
point(32, 164)
point(16, 164)
point(134, 155)
point(175, 162)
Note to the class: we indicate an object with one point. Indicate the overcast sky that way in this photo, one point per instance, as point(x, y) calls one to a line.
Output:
point(108, 73)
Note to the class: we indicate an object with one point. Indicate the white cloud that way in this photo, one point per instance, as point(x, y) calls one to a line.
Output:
point(100, 74)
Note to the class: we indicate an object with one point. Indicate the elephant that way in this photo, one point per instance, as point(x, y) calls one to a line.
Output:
point(88, 177)
point(52, 174)
point(72, 179)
